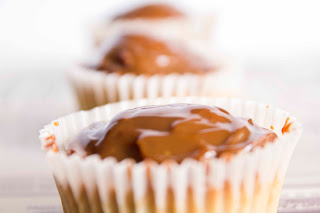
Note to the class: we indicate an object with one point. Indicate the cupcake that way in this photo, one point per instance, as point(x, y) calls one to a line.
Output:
point(135, 66)
point(157, 19)
point(171, 155)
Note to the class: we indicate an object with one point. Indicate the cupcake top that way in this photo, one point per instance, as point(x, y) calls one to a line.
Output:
point(170, 132)
point(141, 54)
point(151, 11)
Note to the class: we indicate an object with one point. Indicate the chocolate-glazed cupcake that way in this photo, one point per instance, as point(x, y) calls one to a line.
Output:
point(156, 19)
point(135, 66)
point(186, 157)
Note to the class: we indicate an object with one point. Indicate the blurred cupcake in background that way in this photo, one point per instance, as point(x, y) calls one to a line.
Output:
point(158, 19)
point(135, 66)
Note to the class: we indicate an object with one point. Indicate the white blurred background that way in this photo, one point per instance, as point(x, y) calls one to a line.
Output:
point(39, 39)
point(278, 43)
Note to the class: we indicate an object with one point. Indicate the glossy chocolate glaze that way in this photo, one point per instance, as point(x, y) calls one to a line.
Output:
point(139, 54)
point(175, 132)
point(151, 11)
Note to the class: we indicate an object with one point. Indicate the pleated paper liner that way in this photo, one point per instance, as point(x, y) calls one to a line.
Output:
point(249, 182)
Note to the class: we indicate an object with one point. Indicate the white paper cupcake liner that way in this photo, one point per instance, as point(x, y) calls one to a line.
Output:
point(94, 88)
point(197, 28)
point(249, 182)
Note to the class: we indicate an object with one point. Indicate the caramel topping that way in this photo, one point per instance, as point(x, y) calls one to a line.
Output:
point(286, 127)
point(152, 11)
point(52, 143)
point(138, 54)
point(54, 147)
point(175, 132)
point(51, 138)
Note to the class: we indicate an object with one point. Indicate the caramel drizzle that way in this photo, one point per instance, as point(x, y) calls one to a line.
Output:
point(286, 126)
point(52, 144)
